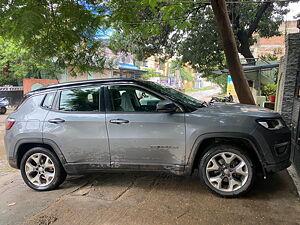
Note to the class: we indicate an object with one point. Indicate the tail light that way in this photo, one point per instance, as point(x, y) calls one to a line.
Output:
point(9, 123)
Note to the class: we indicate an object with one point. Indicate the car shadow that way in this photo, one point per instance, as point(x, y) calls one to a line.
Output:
point(276, 186)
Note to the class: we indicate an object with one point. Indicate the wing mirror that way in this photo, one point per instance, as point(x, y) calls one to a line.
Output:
point(166, 106)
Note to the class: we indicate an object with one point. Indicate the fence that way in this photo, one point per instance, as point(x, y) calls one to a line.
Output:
point(13, 94)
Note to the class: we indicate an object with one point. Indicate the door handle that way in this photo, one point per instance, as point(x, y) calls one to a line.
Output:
point(119, 121)
point(56, 120)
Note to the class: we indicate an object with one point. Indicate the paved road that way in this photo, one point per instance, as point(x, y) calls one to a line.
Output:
point(205, 95)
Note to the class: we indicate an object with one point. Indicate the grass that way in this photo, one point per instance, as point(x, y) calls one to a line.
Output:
point(197, 89)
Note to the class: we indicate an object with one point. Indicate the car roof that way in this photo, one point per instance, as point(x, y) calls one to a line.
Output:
point(81, 82)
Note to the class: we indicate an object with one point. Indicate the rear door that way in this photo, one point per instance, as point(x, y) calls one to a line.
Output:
point(77, 125)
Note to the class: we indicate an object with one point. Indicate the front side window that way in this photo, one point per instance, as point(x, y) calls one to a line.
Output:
point(80, 99)
point(181, 97)
point(132, 99)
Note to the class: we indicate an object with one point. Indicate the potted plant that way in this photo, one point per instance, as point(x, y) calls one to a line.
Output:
point(269, 90)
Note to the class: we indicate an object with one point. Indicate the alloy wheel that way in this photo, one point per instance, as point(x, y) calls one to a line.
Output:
point(40, 169)
point(227, 171)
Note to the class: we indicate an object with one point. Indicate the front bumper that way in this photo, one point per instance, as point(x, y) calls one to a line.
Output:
point(275, 148)
point(273, 168)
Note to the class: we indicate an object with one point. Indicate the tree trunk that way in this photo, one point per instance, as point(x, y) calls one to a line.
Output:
point(39, 74)
point(229, 44)
point(244, 48)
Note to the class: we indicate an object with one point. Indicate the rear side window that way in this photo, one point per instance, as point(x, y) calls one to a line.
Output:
point(80, 99)
point(48, 100)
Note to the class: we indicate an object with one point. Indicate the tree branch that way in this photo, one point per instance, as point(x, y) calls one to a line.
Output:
point(259, 14)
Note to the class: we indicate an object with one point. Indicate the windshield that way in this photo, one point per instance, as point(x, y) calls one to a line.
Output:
point(178, 95)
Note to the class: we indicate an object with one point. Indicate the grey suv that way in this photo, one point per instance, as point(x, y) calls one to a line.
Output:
point(126, 125)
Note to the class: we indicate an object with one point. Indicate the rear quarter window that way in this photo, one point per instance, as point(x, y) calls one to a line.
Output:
point(48, 100)
point(22, 102)
point(31, 105)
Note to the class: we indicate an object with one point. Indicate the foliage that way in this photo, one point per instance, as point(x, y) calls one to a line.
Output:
point(17, 63)
point(269, 89)
point(178, 67)
point(64, 29)
point(185, 75)
point(8, 80)
point(149, 74)
point(188, 29)
point(271, 56)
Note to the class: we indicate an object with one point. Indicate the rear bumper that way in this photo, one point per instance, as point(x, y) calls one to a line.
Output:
point(9, 147)
point(13, 163)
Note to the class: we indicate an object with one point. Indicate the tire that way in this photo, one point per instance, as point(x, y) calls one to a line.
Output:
point(62, 177)
point(231, 178)
point(41, 169)
point(3, 110)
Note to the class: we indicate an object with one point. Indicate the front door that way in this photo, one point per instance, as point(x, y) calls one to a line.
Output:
point(138, 134)
point(78, 127)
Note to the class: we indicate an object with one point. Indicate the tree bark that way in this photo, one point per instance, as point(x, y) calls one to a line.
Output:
point(245, 35)
point(244, 47)
point(231, 52)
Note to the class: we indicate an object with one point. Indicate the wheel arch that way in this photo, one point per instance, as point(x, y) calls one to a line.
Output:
point(23, 145)
point(239, 139)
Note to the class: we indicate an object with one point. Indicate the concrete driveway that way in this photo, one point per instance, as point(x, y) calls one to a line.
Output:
point(145, 198)
point(142, 198)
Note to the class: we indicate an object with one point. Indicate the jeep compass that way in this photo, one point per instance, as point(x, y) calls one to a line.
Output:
point(130, 125)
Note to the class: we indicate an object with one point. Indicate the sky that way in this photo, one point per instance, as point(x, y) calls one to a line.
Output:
point(295, 10)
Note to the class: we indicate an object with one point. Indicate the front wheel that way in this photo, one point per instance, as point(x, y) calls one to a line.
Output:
point(227, 170)
point(41, 170)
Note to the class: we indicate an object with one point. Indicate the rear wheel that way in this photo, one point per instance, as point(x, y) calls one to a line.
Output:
point(227, 170)
point(41, 170)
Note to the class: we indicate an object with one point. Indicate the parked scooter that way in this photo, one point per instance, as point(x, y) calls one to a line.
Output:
point(3, 105)
point(223, 99)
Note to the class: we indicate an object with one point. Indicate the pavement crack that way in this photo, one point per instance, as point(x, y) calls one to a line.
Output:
point(85, 188)
point(126, 190)
point(155, 182)
point(182, 214)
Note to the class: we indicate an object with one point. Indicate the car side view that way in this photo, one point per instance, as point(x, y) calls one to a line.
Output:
point(131, 125)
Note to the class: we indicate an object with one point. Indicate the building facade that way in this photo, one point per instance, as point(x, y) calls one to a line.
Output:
point(122, 66)
point(274, 45)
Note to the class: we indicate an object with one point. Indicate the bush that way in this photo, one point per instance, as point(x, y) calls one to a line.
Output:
point(269, 89)
point(149, 74)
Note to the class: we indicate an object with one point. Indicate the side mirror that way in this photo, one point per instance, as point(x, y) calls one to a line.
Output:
point(166, 106)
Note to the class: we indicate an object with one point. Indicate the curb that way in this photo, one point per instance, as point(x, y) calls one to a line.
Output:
point(295, 177)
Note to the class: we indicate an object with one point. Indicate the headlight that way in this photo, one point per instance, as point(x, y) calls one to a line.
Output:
point(272, 124)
